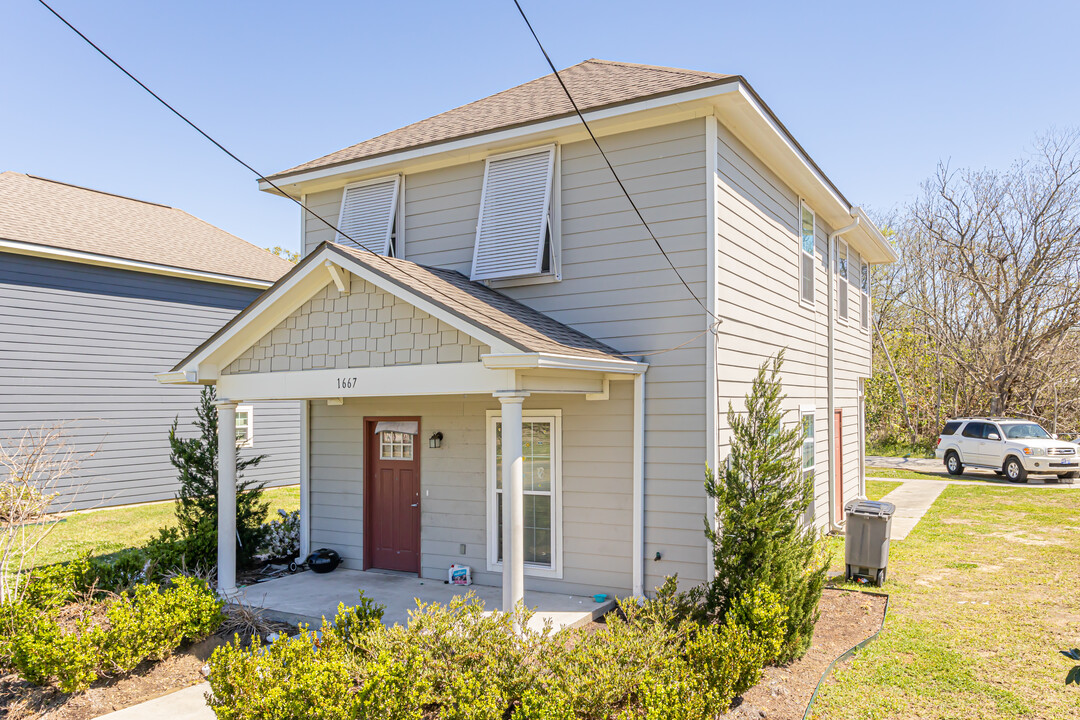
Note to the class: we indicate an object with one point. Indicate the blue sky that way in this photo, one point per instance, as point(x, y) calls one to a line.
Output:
point(878, 93)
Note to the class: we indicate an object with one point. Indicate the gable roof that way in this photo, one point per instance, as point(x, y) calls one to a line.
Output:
point(593, 84)
point(53, 214)
point(519, 325)
point(486, 311)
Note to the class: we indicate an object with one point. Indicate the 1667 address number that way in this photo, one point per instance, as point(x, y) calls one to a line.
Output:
point(346, 383)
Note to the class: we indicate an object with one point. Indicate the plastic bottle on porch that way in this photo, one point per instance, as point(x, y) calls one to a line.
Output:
point(460, 575)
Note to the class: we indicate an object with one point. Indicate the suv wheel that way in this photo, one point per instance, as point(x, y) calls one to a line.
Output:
point(953, 464)
point(1014, 471)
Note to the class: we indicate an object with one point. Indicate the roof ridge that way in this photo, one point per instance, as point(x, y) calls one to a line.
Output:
point(659, 68)
point(93, 190)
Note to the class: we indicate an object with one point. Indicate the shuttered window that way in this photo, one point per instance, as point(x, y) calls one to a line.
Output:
point(368, 210)
point(513, 234)
point(842, 279)
point(864, 297)
point(806, 254)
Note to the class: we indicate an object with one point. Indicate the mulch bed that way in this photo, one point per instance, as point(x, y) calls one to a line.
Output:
point(20, 700)
point(847, 618)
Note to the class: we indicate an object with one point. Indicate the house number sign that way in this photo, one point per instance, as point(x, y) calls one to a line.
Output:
point(346, 383)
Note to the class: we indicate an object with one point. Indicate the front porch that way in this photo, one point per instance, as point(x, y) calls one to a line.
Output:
point(308, 597)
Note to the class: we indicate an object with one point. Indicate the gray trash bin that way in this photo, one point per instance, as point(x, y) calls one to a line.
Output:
point(866, 541)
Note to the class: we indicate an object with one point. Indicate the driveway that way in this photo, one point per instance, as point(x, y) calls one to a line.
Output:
point(933, 466)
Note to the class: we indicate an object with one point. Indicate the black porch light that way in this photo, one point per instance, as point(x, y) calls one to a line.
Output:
point(435, 441)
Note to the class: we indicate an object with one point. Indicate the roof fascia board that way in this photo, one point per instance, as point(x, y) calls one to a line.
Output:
point(551, 361)
point(563, 129)
point(85, 258)
point(878, 249)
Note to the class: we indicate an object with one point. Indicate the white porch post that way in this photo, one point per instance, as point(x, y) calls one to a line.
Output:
point(226, 574)
point(513, 502)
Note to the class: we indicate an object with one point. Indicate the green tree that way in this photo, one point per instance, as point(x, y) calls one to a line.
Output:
point(196, 460)
point(761, 500)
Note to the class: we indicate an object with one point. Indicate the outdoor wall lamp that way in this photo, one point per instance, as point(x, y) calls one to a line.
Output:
point(435, 441)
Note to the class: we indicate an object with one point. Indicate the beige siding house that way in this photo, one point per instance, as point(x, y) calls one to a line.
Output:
point(482, 270)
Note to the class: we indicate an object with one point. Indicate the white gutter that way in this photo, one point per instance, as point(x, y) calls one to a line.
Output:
point(830, 273)
point(637, 533)
point(86, 258)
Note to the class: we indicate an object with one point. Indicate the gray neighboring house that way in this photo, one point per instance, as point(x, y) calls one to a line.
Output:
point(490, 276)
point(97, 292)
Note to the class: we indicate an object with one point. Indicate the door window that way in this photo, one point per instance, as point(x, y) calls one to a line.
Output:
point(395, 446)
point(974, 430)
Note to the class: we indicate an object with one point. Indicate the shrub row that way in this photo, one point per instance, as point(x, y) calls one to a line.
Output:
point(52, 636)
point(455, 662)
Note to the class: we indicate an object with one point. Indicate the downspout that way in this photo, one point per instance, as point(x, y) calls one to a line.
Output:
point(637, 531)
point(830, 273)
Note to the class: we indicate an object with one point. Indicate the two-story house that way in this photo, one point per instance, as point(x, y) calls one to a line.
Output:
point(497, 361)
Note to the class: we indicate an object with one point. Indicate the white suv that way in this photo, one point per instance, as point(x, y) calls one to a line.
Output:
point(1009, 447)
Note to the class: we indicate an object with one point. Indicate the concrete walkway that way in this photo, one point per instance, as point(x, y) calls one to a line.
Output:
point(186, 704)
point(912, 500)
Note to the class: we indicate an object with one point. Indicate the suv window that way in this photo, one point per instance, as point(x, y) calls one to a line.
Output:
point(951, 427)
point(974, 430)
point(991, 429)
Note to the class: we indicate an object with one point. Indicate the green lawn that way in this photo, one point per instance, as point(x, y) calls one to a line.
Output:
point(105, 531)
point(899, 449)
point(984, 593)
point(877, 489)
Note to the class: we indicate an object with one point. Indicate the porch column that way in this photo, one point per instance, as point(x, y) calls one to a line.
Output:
point(513, 502)
point(226, 573)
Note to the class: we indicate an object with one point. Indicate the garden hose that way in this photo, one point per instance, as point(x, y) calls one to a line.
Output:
point(851, 651)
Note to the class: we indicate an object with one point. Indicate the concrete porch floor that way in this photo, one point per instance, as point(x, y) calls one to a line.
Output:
point(307, 597)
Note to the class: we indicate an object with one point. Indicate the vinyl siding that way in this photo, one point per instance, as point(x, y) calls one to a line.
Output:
point(80, 344)
point(596, 482)
point(758, 286)
point(617, 287)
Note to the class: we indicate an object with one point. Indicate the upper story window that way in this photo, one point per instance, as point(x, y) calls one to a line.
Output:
point(368, 213)
point(514, 231)
point(842, 281)
point(809, 449)
point(864, 297)
point(806, 254)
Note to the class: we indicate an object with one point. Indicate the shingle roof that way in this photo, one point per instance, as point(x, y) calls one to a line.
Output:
point(47, 212)
point(593, 84)
point(519, 325)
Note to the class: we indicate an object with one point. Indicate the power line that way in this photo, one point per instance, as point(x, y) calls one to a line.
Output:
point(610, 166)
point(195, 127)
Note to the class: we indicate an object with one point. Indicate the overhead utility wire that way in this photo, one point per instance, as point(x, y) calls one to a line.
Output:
point(610, 166)
point(197, 129)
point(330, 225)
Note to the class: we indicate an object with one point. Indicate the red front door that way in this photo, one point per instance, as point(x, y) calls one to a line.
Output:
point(391, 499)
point(838, 471)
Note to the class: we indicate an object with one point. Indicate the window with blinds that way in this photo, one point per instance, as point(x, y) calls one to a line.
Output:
point(806, 255)
point(842, 279)
point(513, 234)
point(368, 212)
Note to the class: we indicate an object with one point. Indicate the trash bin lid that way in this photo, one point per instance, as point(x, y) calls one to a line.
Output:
point(870, 508)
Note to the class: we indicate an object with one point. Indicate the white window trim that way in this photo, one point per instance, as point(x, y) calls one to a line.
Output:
point(392, 226)
point(250, 441)
point(864, 319)
point(493, 564)
point(843, 251)
point(553, 214)
point(805, 410)
point(798, 267)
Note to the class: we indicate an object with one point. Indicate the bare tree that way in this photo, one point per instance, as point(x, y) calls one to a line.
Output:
point(33, 467)
point(993, 261)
